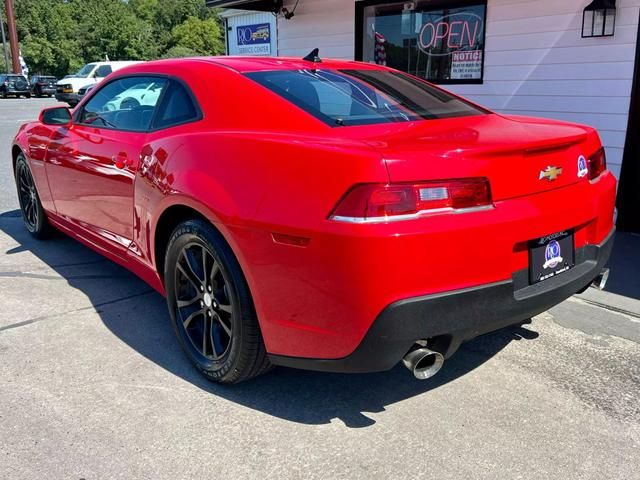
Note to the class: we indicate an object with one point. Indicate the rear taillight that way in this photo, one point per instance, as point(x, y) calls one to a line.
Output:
point(597, 164)
point(370, 203)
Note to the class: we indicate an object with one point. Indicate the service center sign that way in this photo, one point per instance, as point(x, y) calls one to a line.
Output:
point(254, 39)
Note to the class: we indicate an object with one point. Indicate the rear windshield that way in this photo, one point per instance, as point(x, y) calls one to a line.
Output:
point(363, 97)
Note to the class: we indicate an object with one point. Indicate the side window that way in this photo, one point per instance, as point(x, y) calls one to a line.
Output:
point(103, 71)
point(124, 104)
point(177, 107)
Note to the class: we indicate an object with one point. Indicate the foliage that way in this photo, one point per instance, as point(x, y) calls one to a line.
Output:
point(59, 36)
point(201, 36)
point(180, 52)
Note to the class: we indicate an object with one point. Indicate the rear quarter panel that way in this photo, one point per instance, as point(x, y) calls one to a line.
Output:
point(255, 181)
point(251, 185)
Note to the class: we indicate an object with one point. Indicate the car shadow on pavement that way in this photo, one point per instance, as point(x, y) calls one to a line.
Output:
point(137, 316)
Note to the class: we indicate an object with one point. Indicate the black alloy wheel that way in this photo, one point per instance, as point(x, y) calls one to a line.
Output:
point(210, 305)
point(204, 306)
point(33, 214)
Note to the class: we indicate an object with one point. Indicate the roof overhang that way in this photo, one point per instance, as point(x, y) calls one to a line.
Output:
point(262, 5)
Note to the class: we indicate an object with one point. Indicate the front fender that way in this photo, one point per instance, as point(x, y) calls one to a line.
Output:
point(32, 140)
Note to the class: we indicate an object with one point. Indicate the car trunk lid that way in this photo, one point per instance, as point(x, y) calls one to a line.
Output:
point(519, 156)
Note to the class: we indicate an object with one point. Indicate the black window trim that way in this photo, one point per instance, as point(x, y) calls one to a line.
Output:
point(169, 78)
point(360, 6)
point(154, 120)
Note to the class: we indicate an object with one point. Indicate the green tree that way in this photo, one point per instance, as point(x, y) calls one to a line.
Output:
point(109, 28)
point(171, 13)
point(59, 36)
point(48, 36)
point(201, 36)
point(179, 52)
point(145, 10)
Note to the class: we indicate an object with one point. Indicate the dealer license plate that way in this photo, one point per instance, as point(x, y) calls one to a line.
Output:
point(550, 256)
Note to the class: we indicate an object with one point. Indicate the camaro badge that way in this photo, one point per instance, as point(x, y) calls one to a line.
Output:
point(552, 255)
point(550, 173)
point(583, 169)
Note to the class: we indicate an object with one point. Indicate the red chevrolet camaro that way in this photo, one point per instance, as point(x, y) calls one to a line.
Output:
point(325, 215)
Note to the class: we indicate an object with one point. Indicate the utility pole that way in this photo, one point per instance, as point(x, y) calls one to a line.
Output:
point(13, 36)
point(4, 43)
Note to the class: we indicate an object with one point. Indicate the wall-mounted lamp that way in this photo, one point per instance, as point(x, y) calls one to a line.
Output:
point(289, 14)
point(599, 19)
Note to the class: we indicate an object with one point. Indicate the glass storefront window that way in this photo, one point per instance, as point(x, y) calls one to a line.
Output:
point(442, 42)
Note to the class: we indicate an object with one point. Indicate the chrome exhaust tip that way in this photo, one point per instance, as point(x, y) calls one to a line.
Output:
point(601, 280)
point(423, 363)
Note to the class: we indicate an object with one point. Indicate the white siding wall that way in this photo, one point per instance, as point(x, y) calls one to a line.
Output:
point(326, 24)
point(536, 61)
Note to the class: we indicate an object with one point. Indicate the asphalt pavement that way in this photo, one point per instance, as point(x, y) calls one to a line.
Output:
point(94, 386)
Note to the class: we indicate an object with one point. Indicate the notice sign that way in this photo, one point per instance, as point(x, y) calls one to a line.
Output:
point(466, 65)
point(254, 39)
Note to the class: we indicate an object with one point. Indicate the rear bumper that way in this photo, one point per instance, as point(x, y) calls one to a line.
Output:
point(46, 90)
point(13, 91)
point(452, 318)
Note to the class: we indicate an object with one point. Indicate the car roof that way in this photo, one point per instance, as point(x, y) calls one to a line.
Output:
point(257, 64)
point(254, 64)
point(120, 62)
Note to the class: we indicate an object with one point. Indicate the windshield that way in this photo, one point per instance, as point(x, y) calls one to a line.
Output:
point(362, 97)
point(86, 70)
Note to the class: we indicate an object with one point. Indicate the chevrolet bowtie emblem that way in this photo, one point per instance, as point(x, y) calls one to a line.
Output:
point(550, 173)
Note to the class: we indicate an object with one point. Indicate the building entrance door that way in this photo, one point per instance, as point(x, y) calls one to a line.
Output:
point(629, 189)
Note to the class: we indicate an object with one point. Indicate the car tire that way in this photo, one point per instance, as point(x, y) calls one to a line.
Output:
point(28, 95)
point(33, 215)
point(4, 95)
point(211, 307)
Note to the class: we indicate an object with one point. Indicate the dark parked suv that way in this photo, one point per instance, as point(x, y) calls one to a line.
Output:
point(14, 84)
point(42, 85)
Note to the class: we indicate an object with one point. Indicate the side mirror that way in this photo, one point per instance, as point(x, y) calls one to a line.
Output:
point(56, 116)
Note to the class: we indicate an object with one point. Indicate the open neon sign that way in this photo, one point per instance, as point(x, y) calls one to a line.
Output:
point(451, 33)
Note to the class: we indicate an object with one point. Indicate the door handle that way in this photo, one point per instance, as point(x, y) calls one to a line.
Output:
point(121, 160)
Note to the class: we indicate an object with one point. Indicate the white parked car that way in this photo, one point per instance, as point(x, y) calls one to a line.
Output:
point(142, 94)
point(92, 73)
